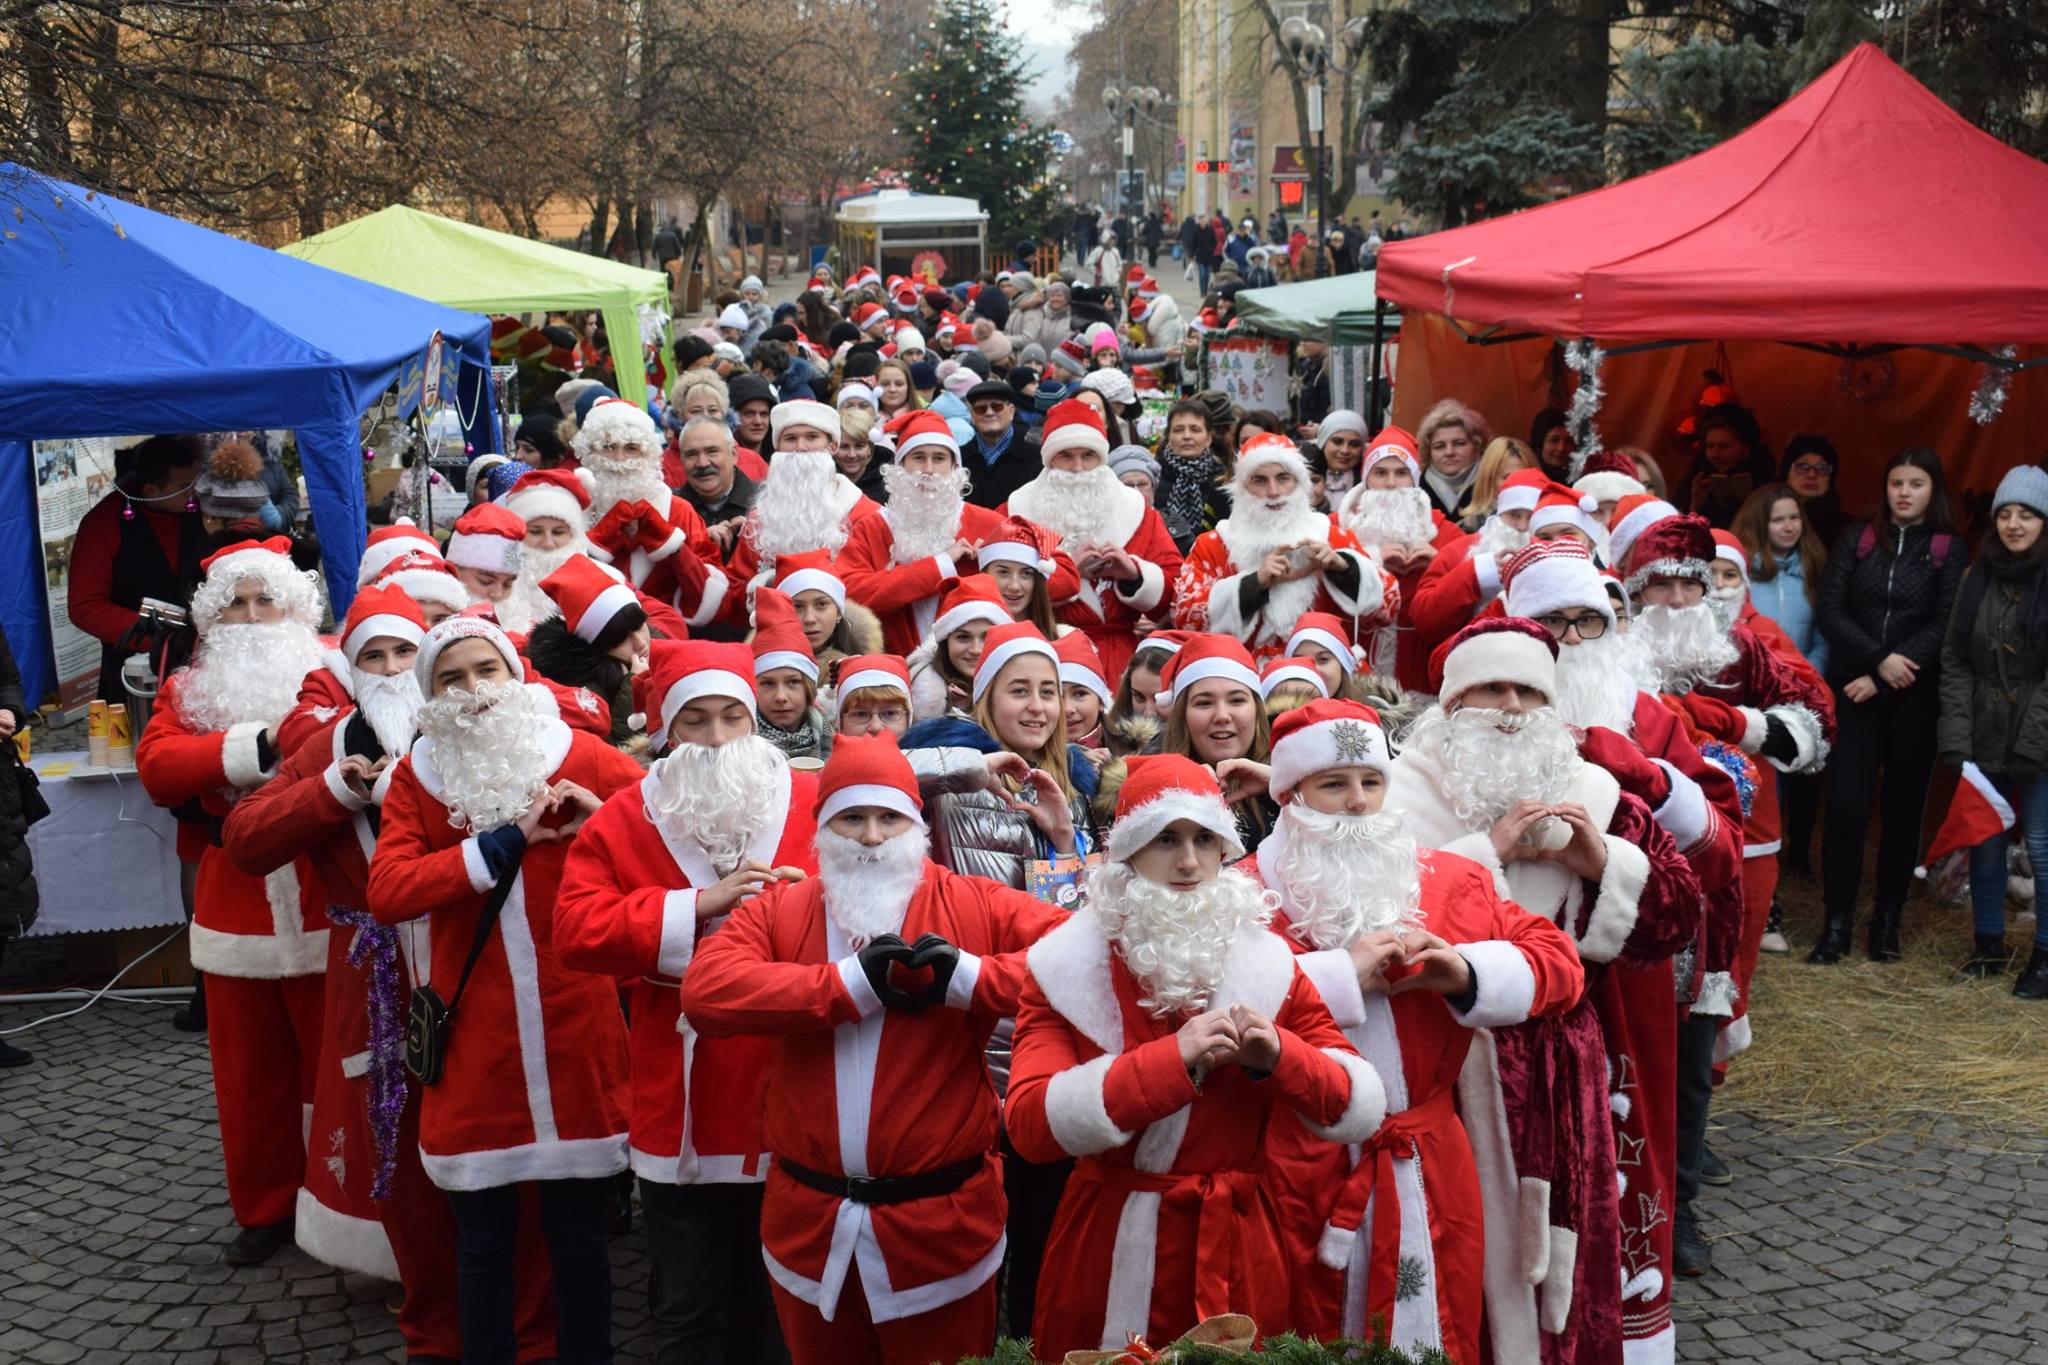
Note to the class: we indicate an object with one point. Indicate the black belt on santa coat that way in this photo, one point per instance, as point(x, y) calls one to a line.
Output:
point(885, 1189)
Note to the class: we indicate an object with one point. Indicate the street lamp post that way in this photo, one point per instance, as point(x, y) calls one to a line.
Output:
point(1309, 47)
point(1125, 104)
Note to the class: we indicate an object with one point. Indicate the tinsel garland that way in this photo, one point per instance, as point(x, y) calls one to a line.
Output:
point(1989, 399)
point(1738, 767)
point(1584, 358)
point(377, 944)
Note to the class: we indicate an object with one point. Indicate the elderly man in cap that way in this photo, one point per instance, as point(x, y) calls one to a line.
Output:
point(1002, 456)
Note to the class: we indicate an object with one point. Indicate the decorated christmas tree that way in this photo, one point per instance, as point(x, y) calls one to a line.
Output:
point(961, 117)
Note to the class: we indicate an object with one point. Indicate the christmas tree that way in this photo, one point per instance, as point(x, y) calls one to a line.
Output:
point(961, 112)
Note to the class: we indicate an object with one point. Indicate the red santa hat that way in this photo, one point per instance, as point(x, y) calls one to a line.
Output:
point(1017, 541)
point(1325, 629)
point(1608, 476)
point(1172, 641)
point(810, 571)
point(426, 578)
point(869, 315)
point(1081, 666)
point(388, 543)
point(1728, 547)
point(779, 642)
point(1148, 288)
point(1976, 813)
point(1545, 576)
point(974, 598)
point(802, 412)
point(1393, 443)
point(1005, 645)
point(267, 561)
point(615, 421)
point(1495, 649)
point(1160, 789)
point(556, 493)
point(589, 596)
point(1323, 735)
point(1202, 658)
point(1073, 425)
point(883, 671)
point(1141, 307)
point(867, 770)
point(921, 427)
point(680, 671)
point(1135, 271)
point(1561, 506)
point(1521, 491)
point(1670, 547)
point(1278, 672)
point(487, 537)
point(948, 325)
point(1266, 449)
point(462, 627)
point(380, 611)
point(1633, 515)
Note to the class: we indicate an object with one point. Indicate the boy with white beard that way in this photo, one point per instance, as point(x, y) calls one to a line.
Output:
point(1119, 543)
point(213, 736)
point(718, 817)
point(805, 504)
point(1162, 1026)
point(637, 522)
point(1380, 929)
point(1276, 557)
point(878, 982)
point(534, 1088)
point(1493, 773)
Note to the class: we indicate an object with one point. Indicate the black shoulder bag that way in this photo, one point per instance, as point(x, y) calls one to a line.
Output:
point(428, 1018)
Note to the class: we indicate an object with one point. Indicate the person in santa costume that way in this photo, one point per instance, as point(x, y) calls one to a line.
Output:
point(898, 563)
point(1276, 557)
point(805, 505)
point(1162, 1026)
point(476, 822)
point(1392, 517)
point(484, 551)
point(1493, 774)
point(212, 737)
point(1383, 933)
point(719, 815)
point(637, 522)
point(1118, 542)
point(878, 982)
point(1466, 579)
point(555, 506)
point(872, 695)
point(426, 578)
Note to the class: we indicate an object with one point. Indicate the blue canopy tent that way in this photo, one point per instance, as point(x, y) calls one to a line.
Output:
point(116, 320)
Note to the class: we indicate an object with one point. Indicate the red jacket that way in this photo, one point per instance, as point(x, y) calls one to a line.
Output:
point(906, 596)
point(1102, 610)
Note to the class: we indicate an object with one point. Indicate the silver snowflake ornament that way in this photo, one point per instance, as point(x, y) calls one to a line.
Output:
point(1353, 740)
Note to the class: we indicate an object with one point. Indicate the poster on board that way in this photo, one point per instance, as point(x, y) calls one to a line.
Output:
point(1252, 370)
point(71, 475)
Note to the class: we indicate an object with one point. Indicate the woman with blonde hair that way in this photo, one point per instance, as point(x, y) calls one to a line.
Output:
point(1504, 456)
point(1450, 439)
point(695, 394)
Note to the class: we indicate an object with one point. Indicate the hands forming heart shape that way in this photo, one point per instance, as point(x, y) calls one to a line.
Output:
point(910, 976)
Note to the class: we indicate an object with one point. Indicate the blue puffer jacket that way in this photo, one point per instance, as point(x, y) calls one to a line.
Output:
point(1783, 599)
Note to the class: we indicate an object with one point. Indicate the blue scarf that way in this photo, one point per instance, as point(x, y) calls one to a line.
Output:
point(990, 455)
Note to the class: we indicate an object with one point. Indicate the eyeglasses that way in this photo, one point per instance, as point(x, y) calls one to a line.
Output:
point(1809, 467)
point(1591, 625)
point(860, 720)
point(988, 406)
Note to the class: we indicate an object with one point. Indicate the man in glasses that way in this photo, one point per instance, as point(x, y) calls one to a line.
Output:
point(1003, 455)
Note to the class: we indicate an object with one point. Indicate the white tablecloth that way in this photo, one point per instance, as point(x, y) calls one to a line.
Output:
point(106, 856)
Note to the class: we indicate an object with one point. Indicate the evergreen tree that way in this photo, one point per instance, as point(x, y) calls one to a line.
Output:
point(961, 117)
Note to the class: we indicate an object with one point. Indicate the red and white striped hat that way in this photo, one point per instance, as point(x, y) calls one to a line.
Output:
point(1325, 629)
point(1324, 735)
point(556, 493)
point(1081, 666)
point(974, 598)
point(811, 571)
point(589, 595)
point(680, 671)
point(1281, 671)
point(380, 610)
point(387, 543)
point(1206, 657)
point(779, 642)
point(1547, 576)
point(487, 537)
point(1160, 789)
point(867, 770)
point(1005, 645)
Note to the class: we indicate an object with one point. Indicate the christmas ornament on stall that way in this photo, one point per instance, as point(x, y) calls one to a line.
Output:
point(1867, 379)
point(1989, 399)
point(1584, 358)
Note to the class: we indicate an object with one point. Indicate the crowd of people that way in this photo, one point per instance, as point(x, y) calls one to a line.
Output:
point(973, 871)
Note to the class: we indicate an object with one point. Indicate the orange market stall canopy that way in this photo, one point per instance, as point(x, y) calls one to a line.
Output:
point(1795, 231)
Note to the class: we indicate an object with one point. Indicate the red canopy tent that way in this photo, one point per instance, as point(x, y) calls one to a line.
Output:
point(1817, 223)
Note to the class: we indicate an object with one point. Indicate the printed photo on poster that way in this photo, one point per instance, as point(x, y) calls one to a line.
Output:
point(71, 475)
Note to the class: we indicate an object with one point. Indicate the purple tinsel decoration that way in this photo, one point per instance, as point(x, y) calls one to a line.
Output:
point(378, 944)
point(1729, 757)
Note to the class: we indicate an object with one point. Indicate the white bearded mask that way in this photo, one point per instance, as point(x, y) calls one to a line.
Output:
point(1497, 534)
point(798, 509)
point(711, 796)
point(1389, 516)
point(1347, 875)
point(1487, 760)
point(1686, 645)
point(1598, 681)
point(487, 752)
point(247, 673)
point(526, 606)
point(1176, 943)
point(923, 511)
point(868, 890)
point(1077, 503)
point(389, 704)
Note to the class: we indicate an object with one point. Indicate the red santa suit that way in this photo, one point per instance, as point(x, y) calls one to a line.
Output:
point(860, 1096)
point(653, 537)
point(1096, 507)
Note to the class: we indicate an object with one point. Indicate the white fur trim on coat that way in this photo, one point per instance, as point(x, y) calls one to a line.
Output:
point(342, 1240)
point(257, 957)
point(1732, 1041)
point(1364, 1111)
point(1372, 591)
point(1507, 984)
point(239, 759)
point(678, 931)
point(1133, 831)
point(1151, 587)
point(1685, 814)
point(1076, 1112)
point(716, 585)
point(1614, 910)
point(1717, 995)
point(1554, 1303)
point(1810, 745)
point(555, 1159)
point(1755, 729)
point(1332, 973)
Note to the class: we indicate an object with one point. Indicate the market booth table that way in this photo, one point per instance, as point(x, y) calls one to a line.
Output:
point(106, 855)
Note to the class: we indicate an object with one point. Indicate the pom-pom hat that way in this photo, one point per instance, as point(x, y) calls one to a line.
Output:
point(1546, 576)
point(1073, 425)
point(779, 642)
point(680, 671)
point(882, 671)
point(1081, 666)
point(589, 596)
point(1495, 649)
point(487, 537)
point(1609, 476)
point(867, 771)
point(1323, 735)
point(811, 571)
point(556, 493)
point(1005, 645)
point(974, 598)
point(1160, 789)
point(1206, 657)
point(1562, 506)
point(379, 612)
point(388, 543)
point(1278, 672)
point(1325, 629)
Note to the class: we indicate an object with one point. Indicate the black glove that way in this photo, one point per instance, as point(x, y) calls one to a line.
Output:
point(887, 950)
point(1779, 743)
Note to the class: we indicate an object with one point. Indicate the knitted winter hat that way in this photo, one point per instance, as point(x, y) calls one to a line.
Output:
point(589, 595)
point(779, 642)
point(1323, 735)
point(232, 487)
point(1495, 649)
point(867, 771)
point(456, 628)
point(1160, 789)
point(380, 611)
point(1553, 575)
point(1343, 419)
point(1004, 646)
point(1134, 459)
point(736, 317)
point(2025, 484)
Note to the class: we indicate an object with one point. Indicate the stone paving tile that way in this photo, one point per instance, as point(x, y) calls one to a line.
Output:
point(112, 1216)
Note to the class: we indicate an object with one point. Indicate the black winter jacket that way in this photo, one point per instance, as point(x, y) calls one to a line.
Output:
point(1894, 600)
point(18, 898)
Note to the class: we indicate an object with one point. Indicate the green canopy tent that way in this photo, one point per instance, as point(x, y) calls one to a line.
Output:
point(1343, 313)
point(474, 268)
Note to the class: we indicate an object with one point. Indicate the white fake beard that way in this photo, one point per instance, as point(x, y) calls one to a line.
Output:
point(868, 890)
point(1686, 645)
point(248, 673)
point(1488, 760)
point(1347, 875)
point(711, 797)
point(1254, 530)
point(617, 481)
point(797, 508)
point(389, 704)
point(1389, 516)
point(1077, 503)
point(1495, 535)
point(526, 606)
point(487, 753)
point(1598, 680)
point(1177, 943)
point(923, 511)
point(1727, 605)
